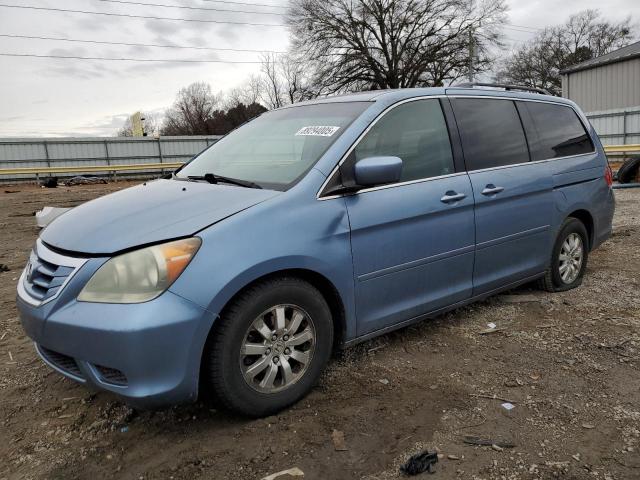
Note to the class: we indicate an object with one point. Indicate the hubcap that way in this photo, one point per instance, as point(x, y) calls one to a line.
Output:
point(277, 348)
point(571, 256)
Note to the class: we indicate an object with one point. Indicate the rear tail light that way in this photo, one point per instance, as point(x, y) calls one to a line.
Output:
point(608, 175)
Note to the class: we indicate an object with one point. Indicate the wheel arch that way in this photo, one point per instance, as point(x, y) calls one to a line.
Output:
point(321, 282)
point(587, 220)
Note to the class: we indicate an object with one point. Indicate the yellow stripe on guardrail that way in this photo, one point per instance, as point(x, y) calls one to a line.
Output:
point(609, 149)
point(89, 168)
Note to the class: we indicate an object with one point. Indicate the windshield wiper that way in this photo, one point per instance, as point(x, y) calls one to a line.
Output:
point(213, 178)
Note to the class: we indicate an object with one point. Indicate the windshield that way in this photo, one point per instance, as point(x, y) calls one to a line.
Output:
point(277, 148)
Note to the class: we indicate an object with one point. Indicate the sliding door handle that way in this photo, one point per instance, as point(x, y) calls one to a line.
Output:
point(452, 197)
point(491, 189)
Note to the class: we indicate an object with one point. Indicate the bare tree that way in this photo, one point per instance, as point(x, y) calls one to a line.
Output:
point(585, 35)
point(284, 80)
point(377, 44)
point(192, 111)
point(247, 93)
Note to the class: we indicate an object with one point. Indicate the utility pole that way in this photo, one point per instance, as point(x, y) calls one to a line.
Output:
point(472, 55)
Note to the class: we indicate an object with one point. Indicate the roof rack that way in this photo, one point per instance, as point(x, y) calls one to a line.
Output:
point(522, 88)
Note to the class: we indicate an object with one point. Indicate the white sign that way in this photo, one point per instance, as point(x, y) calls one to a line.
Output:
point(318, 131)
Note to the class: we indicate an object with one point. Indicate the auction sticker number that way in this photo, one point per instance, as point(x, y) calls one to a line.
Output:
point(318, 131)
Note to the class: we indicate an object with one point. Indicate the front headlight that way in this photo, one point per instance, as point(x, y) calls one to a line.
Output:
point(140, 275)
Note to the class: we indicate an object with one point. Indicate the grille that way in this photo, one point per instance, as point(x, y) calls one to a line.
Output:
point(44, 279)
point(46, 274)
point(112, 375)
point(63, 362)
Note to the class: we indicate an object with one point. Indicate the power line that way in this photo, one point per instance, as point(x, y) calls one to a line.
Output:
point(194, 20)
point(99, 42)
point(75, 57)
point(270, 5)
point(185, 7)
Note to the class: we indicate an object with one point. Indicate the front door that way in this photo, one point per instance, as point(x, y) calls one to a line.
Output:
point(412, 242)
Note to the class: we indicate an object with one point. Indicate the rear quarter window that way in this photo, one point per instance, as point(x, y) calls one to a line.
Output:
point(553, 130)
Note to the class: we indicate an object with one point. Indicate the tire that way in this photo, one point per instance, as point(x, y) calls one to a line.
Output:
point(556, 280)
point(627, 172)
point(242, 379)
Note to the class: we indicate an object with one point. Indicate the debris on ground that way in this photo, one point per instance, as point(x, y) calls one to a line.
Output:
point(48, 214)
point(285, 474)
point(384, 381)
point(338, 441)
point(487, 442)
point(508, 406)
point(82, 180)
point(49, 182)
point(3, 268)
point(420, 463)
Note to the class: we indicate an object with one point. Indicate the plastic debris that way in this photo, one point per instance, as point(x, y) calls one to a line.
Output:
point(488, 442)
point(338, 441)
point(491, 325)
point(420, 463)
point(82, 180)
point(48, 214)
point(50, 182)
point(508, 406)
point(292, 472)
point(384, 381)
point(124, 429)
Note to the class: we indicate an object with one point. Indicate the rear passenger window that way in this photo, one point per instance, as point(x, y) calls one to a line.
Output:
point(491, 132)
point(417, 133)
point(553, 130)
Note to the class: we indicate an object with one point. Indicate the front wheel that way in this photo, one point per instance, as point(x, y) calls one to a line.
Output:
point(569, 258)
point(270, 346)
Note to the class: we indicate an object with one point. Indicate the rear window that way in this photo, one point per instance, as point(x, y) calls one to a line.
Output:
point(553, 131)
point(491, 132)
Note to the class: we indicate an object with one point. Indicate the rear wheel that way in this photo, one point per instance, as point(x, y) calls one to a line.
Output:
point(270, 346)
point(569, 258)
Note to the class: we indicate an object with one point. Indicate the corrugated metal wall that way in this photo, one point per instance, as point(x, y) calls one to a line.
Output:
point(617, 127)
point(67, 152)
point(608, 87)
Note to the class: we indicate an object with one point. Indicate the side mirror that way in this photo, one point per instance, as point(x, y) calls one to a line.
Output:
point(372, 171)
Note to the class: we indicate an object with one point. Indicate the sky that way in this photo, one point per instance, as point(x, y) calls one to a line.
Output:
point(71, 97)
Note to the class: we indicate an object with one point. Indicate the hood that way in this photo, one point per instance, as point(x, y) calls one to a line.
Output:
point(149, 213)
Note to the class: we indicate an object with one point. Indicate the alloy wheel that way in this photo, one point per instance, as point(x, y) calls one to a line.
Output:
point(571, 258)
point(277, 348)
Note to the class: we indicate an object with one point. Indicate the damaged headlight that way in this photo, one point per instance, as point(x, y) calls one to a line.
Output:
point(141, 275)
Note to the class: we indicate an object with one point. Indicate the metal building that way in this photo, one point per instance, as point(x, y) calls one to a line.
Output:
point(607, 88)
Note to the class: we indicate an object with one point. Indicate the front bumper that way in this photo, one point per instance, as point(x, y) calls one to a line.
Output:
point(148, 353)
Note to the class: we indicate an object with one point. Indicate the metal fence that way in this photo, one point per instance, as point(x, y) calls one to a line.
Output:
point(617, 127)
point(81, 152)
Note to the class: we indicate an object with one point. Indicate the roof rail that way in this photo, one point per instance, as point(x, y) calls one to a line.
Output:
point(522, 88)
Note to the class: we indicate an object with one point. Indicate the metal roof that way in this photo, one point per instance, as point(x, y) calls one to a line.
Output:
point(625, 53)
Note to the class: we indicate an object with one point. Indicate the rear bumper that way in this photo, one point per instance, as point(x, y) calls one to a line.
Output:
point(148, 354)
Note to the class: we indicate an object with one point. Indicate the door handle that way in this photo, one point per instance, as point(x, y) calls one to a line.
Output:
point(452, 197)
point(491, 189)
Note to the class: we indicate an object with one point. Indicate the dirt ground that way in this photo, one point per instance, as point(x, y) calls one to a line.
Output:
point(568, 362)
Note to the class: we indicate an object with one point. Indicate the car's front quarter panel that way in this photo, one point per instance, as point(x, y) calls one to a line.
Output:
point(292, 231)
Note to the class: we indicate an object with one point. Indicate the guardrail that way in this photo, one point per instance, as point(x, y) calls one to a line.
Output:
point(618, 150)
point(89, 169)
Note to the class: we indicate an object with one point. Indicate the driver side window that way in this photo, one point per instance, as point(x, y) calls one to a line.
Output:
point(417, 133)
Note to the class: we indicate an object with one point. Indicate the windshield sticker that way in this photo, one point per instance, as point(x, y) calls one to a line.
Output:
point(318, 131)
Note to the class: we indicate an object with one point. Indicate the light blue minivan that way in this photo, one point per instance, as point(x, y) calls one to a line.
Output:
point(313, 227)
